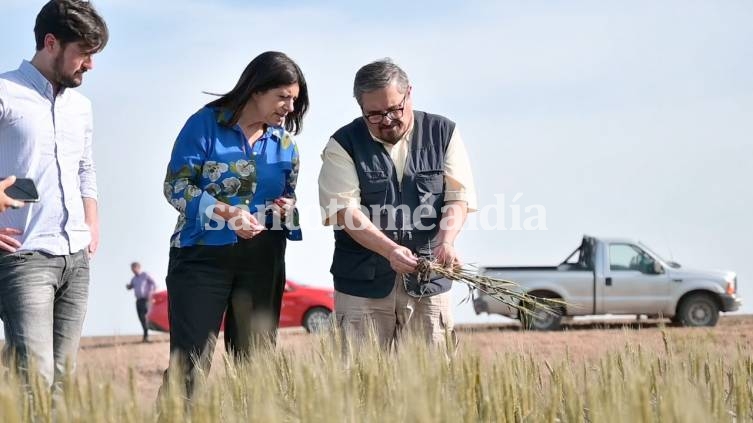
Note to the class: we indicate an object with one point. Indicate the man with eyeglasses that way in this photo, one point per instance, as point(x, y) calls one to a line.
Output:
point(397, 185)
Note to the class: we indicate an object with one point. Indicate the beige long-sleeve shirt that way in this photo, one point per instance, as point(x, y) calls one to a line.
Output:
point(338, 180)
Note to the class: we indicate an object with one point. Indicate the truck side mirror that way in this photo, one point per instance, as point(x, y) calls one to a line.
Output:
point(658, 269)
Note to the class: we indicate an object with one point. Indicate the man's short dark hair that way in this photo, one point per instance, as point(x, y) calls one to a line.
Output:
point(135, 263)
point(377, 75)
point(71, 21)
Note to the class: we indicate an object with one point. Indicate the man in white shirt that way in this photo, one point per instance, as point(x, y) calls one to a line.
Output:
point(46, 135)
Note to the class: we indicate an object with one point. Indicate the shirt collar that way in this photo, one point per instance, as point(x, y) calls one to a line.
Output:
point(37, 80)
point(276, 131)
point(224, 115)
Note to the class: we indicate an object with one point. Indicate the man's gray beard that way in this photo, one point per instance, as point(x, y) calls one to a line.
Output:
point(395, 140)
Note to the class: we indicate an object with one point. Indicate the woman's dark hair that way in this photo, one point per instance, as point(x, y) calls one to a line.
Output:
point(71, 21)
point(267, 71)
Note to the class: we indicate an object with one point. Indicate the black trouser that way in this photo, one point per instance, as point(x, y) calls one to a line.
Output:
point(141, 310)
point(247, 279)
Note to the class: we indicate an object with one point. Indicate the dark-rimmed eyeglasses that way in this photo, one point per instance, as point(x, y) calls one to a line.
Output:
point(392, 114)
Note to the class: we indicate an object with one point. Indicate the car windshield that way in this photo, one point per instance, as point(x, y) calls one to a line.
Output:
point(651, 252)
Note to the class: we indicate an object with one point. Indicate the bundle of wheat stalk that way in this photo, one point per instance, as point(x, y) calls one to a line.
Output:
point(508, 292)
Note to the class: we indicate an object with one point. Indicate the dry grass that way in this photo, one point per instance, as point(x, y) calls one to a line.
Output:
point(645, 374)
point(504, 291)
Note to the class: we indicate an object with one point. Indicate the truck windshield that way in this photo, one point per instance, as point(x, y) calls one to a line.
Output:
point(651, 252)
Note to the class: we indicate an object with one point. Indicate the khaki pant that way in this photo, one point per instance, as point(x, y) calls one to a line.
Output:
point(394, 315)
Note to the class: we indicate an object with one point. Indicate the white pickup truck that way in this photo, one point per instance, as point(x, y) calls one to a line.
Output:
point(617, 276)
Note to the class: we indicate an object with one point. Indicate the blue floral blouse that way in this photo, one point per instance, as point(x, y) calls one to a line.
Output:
point(212, 162)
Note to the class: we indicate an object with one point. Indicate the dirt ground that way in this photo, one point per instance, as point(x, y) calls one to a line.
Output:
point(110, 358)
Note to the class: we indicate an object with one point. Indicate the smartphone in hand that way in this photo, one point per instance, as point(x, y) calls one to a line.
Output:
point(24, 190)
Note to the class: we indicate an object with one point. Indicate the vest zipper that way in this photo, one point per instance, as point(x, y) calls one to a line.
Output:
point(399, 228)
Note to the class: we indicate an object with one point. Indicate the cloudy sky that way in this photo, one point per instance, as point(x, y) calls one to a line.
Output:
point(628, 119)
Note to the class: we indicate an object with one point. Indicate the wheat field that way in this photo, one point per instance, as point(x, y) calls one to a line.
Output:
point(687, 377)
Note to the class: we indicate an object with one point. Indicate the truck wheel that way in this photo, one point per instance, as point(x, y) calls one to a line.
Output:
point(316, 320)
point(539, 319)
point(698, 310)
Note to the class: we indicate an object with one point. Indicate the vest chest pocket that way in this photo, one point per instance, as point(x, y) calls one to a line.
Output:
point(430, 187)
point(374, 188)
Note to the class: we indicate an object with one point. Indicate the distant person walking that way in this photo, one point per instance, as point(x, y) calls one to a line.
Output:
point(143, 287)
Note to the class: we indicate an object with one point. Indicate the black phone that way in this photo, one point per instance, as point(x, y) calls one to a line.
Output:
point(24, 190)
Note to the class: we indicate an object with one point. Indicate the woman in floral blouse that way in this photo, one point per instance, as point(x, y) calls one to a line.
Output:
point(232, 177)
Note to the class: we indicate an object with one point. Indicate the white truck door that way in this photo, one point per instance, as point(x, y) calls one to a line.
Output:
point(632, 285)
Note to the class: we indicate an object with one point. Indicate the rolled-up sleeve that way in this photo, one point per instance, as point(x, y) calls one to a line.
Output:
point(458, 176)
point(338, 182)
point(87, 173)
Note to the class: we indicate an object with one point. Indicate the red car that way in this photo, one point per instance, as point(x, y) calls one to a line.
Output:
point(302, 305)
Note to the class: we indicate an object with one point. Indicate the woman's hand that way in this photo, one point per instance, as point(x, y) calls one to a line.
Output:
point(239, 220)
point(245, 224)
point(283, 207)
